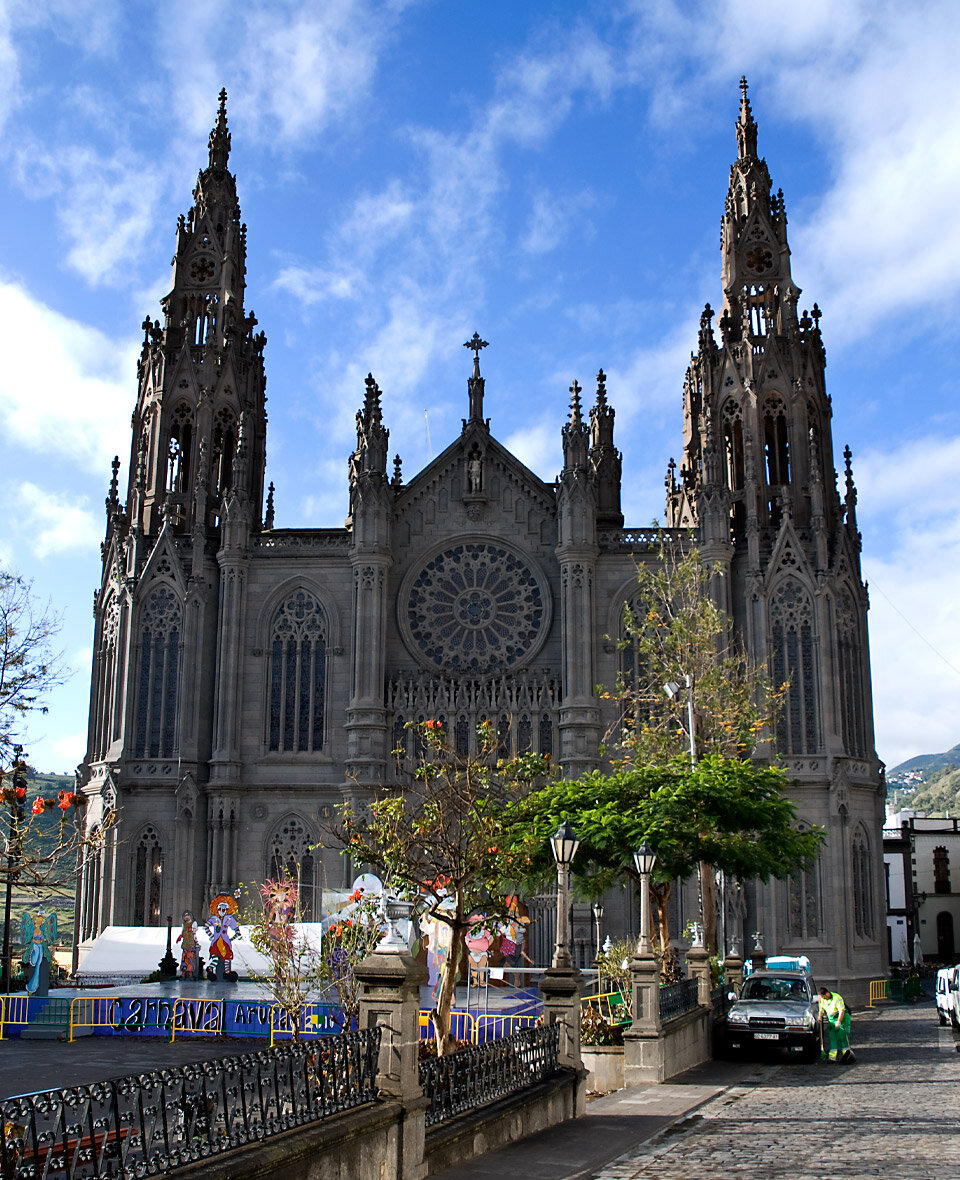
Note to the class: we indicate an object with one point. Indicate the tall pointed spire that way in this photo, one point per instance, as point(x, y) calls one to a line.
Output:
point(746, 127)
point(220, 137)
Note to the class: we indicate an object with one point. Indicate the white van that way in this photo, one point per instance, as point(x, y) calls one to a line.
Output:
point(948, 995)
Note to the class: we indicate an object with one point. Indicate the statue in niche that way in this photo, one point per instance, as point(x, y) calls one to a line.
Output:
point(474, 474)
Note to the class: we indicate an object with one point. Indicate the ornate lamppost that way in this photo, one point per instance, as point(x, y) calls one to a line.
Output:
point(564, 843)
point(597, 915)
point(644, 859)
point(19, 789)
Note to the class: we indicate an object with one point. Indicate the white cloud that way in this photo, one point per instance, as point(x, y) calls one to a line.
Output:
point(106, 205)
point(56, 524)
point(537, 445)
point(553, 218)
point(290, 66)
point(910, 513)
point(311, 285)
point(65, 388)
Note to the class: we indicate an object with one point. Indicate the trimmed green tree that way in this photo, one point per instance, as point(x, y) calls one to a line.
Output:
point(725, 812)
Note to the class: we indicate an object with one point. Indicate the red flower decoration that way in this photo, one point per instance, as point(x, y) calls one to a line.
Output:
point(64, 800)
point(21, 792)
point(37, 807)
point(434, 724)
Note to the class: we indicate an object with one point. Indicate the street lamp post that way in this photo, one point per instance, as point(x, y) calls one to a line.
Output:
point(564, 843)
point(644, 859)
point(597, 915)
point(16, 815)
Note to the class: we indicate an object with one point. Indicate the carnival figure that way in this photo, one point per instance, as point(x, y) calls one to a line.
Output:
point(38, 931)
point(222, 928)
point(189, 948)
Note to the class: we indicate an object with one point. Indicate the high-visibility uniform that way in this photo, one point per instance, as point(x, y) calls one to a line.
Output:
point(838, 1024)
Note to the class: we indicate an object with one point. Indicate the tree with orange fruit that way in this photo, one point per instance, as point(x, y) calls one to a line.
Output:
point(435, 836)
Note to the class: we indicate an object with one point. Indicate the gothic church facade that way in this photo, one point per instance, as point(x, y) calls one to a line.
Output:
point(248, 678)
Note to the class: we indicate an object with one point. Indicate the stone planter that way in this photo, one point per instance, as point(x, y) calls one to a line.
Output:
point(605, 1065)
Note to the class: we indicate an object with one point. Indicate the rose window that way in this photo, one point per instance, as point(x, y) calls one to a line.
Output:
point(474, 608)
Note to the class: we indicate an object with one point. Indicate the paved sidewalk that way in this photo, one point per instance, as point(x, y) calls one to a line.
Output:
point(893, 1114)
point(612, 1125)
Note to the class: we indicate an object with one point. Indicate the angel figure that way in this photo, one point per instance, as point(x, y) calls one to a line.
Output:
point(37, 932)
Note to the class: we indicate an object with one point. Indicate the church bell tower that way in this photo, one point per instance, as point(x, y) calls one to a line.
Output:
point(758, 485)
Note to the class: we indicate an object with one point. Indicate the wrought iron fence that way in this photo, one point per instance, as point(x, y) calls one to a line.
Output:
point(718, 1000)
point(479, 1074)
point(155, 1122)
point(677, 998)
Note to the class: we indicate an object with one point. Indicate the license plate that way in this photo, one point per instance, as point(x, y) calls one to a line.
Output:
point(766, 1036)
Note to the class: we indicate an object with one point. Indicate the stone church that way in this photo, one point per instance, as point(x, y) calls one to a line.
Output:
point(247, 678)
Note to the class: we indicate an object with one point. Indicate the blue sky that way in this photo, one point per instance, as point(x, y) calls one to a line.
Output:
point(549, 174)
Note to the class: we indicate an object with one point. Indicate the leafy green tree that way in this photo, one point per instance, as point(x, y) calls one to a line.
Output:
point(437, 836)
point(725, 812)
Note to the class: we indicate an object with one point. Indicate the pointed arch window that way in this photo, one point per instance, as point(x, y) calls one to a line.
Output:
point(850, 681)
point(733, 445)
point(148, 879)
point(804, 901)
point(224, 449)
point(179, 450)
point(776, 443)
point(862, 884)
point(158, 692)
point(795, 662)
point(298, 662)
point(290, 854)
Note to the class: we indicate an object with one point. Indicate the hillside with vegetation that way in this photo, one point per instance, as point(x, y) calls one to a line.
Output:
point(937, 795)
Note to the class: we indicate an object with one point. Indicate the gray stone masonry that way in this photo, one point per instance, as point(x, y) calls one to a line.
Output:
point(390, 997)
point(698, 967)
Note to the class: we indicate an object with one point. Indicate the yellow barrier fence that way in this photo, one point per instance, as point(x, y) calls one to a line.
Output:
point(202, 1018)
point(610, 1005)
point(462, 1025)
point(878, 991)
point(494, 1025)
point(14, 1011)
point(91, 1012)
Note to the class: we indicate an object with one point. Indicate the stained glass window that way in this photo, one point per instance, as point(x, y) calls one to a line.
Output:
point(794, 661)
point(158, 692)
point(298, 650)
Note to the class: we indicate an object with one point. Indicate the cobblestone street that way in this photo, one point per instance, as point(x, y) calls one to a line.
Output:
point(892, 1114)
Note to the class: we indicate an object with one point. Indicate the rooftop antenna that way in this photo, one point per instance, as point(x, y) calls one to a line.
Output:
point(426, 418)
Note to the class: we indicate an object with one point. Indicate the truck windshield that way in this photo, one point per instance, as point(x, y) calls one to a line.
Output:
point(773, 987)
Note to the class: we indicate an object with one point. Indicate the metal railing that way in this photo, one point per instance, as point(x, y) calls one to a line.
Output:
point(90, 1012)
point(156, 1122)
point(14, 1011)
point(677, 998)
point(885, 989)
point(196, 1018)
point(480, 1074)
